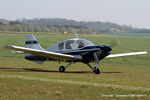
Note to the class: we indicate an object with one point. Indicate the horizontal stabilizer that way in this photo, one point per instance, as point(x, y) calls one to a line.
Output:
point(17, 52)
point(126, 54)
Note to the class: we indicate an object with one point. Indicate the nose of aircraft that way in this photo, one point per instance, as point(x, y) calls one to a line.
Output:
point(107, 48)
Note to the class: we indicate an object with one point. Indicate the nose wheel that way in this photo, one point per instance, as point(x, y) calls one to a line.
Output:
point(96, 70)
point(61, 69)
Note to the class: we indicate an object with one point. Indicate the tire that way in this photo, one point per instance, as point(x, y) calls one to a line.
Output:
point(96, 70)
point(61, 69)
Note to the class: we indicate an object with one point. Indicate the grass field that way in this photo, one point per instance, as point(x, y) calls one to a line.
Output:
point(121, 78)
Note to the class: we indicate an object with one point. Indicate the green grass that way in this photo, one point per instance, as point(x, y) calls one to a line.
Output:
point(24, 80)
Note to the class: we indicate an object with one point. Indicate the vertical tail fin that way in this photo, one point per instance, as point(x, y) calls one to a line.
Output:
point(31, 42)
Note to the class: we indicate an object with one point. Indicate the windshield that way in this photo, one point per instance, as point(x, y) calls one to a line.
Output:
point(81, 43)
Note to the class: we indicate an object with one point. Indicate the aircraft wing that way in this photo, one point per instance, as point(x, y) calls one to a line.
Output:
point(126, 54)
point(47, 54)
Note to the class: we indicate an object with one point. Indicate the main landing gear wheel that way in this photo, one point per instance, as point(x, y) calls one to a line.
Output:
point(61, 69)
point(96, 70)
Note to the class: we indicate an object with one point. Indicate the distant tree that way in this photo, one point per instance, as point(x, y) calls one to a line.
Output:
point(62, 29)
point(30, 28)
point(37, 28)
point(17, 28)
point(24, 28)
point(56, 30)
point(14, 22)
point(44, 29)
point(1, 23)
point(70, 30)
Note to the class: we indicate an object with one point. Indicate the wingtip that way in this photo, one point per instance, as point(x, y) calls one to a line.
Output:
point(145, 52)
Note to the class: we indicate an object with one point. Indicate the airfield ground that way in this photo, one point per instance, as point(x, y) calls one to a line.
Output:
point(121, 78)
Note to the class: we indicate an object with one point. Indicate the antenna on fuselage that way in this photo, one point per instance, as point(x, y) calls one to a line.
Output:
point(76, 35)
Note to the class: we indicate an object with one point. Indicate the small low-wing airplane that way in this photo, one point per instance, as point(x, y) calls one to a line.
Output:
point(71, 50)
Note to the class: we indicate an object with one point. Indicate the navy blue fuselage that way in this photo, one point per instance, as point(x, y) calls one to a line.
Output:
point(75, 47)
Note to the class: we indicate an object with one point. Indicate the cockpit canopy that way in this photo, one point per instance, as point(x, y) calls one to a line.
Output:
point(71, 44)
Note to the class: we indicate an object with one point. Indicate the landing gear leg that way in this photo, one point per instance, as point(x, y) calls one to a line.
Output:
point(96, 69)
point(62, 68)
point(90, 66)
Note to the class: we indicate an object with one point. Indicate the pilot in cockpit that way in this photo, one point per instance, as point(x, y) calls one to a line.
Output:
point(80, 43)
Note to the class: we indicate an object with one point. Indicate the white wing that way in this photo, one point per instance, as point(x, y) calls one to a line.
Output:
point(126, 54)
point(52, 55)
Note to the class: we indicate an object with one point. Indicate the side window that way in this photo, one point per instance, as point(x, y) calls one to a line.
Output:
point(69, 44)
point(61, 46)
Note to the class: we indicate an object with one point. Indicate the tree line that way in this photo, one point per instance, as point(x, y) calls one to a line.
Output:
point(49, 29)
point(20, 27)
point(58, 25)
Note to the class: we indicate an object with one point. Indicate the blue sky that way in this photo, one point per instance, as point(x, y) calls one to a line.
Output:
point(129, 12)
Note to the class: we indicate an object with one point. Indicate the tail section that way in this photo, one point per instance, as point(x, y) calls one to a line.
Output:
point(31, 42)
